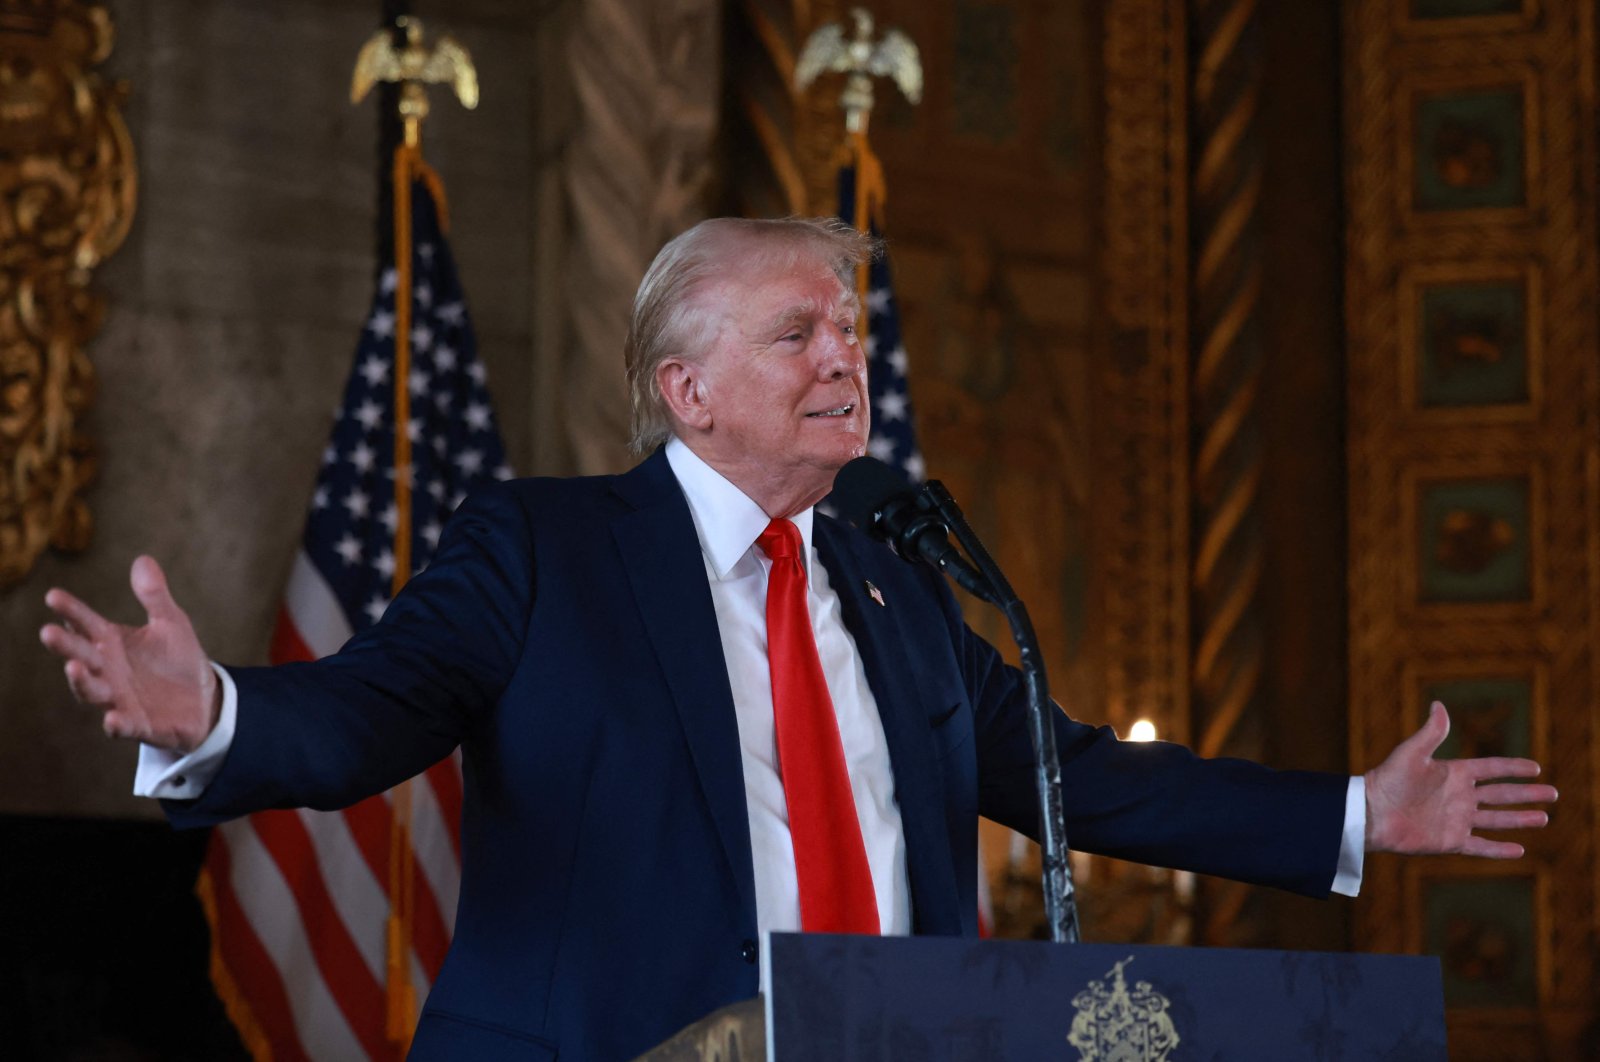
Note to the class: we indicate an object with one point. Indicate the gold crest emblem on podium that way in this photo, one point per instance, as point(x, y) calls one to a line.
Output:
point(1114, 1024)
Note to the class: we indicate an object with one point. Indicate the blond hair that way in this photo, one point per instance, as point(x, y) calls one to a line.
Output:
point(670, 319)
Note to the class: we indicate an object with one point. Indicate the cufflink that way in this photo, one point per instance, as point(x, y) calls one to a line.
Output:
point(874, 593)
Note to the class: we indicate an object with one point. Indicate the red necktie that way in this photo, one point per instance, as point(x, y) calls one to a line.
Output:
point(830, 859)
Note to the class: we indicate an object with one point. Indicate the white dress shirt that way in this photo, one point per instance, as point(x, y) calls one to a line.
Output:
point(727, 524)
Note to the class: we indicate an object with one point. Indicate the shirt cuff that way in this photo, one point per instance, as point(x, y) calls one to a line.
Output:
point(173, 776)
point(1353, 845)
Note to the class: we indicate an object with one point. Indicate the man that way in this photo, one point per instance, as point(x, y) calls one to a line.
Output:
point(691, 710)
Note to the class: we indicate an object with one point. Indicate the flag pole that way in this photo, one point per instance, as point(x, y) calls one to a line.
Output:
point(410, 66)
point(860, 59)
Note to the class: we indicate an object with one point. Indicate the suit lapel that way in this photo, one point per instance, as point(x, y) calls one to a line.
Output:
point(662, 557)
point(917, 785)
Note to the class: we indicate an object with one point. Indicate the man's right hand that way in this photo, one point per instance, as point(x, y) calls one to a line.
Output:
point(153, 683)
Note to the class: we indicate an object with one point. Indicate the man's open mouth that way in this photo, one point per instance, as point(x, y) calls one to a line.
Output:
point(838, 412)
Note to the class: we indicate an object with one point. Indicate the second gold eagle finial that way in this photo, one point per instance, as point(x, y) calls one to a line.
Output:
point(414, 65)
point(860, 59)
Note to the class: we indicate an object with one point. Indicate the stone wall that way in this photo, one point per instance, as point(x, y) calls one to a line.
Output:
point(234, 309)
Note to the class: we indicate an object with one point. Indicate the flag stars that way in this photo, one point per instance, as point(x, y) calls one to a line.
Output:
point(384, 565)
point(444, 357)
point(892, 406)
point(442, 401)
point(357, 502)
point(421, 338)
point(381, 325)
point(430, 533)
point(503, 472)
point(369, 414)
point(363, 457)
point(330, 454)
point(871, 346)
point(319, 499)
point(418, 382)
point(390, 519)
point(882, 448)
point(348, 547)
point(878, 300)
point(451, 313)
point(425, 252)
point(389, 281)
point(477, 416)
point(898, 360)
point(470, 462)
point(915, 468)
point(440, 445)
point(374, 370)
point(376, 607)
point(436, 488)
point(422, 295)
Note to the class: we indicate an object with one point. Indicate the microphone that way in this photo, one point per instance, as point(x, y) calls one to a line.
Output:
point(879, 501)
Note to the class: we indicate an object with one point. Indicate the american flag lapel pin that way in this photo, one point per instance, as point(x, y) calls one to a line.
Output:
point(874, 593)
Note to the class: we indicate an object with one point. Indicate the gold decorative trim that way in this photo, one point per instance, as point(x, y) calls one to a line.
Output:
point(1456, 468)
point(67, 191)
point(1140, 587)
point(1415, 89)
point(1392, 446)
point(1413, 279)
point(1408, 25)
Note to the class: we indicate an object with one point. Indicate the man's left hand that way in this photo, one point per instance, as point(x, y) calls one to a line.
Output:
point(1419, 805)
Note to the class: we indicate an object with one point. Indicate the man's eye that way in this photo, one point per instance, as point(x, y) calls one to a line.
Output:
point(791, 337)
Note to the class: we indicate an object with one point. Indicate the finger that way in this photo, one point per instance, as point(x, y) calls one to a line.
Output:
point(1432, 733)
point(1514, 793)
point(86, 686)
point(117, 725)
point(150, 587)
point(77, 613)
point(1487, 849)
point(1509, 820)
point(1501, 767)
point(71, 645)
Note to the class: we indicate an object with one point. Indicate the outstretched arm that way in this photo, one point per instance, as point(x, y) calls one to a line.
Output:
point(153, 683)
point(1418, 805)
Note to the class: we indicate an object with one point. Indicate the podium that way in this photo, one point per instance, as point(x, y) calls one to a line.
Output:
point(909, 999)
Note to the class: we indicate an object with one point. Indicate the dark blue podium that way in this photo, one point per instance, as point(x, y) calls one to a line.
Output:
point(941, 999)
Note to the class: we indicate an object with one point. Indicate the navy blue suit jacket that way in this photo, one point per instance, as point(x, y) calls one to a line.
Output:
point(564, 637)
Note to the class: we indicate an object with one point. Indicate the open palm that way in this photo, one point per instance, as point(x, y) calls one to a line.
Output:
point(1419, 805)
point(153, 683)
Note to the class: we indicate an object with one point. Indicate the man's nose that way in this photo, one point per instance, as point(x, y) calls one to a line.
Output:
point(841, 354)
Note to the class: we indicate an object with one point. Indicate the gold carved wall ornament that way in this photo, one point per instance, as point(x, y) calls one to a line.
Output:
point(1474, 470)
point(67, 189)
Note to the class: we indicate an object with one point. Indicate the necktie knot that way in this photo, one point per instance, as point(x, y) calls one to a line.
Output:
point(781, 540)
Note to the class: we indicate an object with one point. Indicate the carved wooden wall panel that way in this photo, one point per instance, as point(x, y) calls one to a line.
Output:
point(66, 200)
point(1474, 453)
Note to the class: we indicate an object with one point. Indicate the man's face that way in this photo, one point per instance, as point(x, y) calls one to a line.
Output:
point(785, 380)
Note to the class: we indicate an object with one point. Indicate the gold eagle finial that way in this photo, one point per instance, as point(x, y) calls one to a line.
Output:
point(414, 65)
point(860, 59)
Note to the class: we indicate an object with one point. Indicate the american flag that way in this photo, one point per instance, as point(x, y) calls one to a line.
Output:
point(893, 440)
point(299, 900)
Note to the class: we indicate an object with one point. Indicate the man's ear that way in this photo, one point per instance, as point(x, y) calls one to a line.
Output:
point(685, 392)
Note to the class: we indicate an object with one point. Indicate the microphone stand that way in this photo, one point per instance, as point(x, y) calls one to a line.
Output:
point(1060, 898)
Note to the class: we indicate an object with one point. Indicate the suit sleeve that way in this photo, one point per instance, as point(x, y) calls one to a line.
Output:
point(1151, 802)
point(399, 696)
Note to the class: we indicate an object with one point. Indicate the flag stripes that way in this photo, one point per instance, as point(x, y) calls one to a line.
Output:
point(301, 900)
